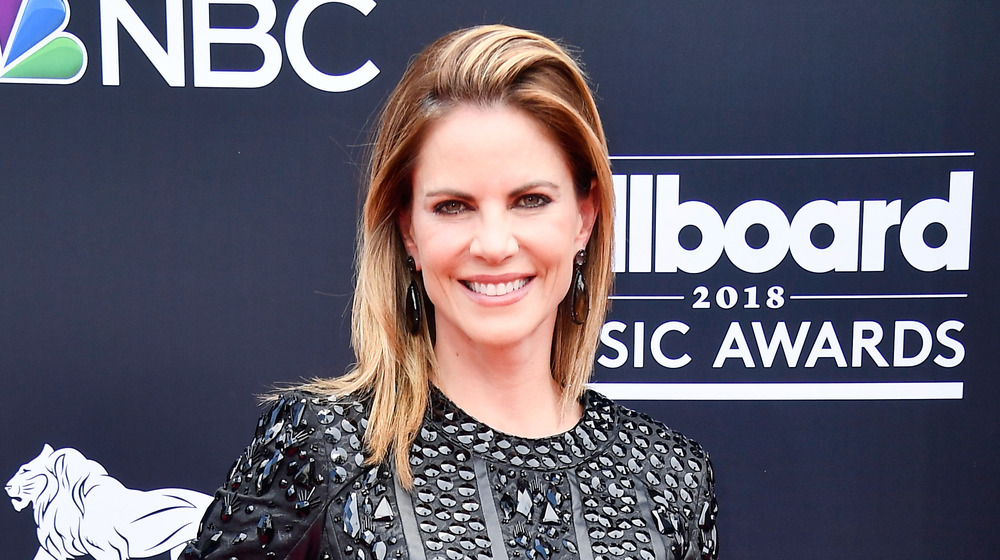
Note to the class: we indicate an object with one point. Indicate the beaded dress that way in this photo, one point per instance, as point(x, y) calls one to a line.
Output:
point(617, 485)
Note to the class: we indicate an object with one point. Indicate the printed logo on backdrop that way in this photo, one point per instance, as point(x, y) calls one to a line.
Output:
point(834, 292)
point(34, 47)
point(80, 510)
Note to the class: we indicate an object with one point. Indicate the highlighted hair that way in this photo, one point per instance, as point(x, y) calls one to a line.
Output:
point(487, 65)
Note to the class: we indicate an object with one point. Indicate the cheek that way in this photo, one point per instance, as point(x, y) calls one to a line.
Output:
point(558, 237)
point(554, 248)
point(440, 249)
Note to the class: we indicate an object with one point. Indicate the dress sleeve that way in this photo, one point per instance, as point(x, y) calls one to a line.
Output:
point(701, 533)
point(272, 504)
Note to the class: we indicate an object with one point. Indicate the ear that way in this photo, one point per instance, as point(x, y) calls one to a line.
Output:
point(59, 468)
point(588, 207)
point(405, 222)
point(46, 450)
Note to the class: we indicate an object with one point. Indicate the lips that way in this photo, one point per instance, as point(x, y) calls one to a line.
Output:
point(497, 289)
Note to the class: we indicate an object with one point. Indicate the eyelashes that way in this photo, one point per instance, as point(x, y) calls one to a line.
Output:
point(533, 201)
point(450, 207)
point(453, 207)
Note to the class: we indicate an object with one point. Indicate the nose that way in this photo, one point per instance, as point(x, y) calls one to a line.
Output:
point(494, 240)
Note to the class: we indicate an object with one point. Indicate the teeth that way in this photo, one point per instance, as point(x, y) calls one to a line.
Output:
point(497, 289)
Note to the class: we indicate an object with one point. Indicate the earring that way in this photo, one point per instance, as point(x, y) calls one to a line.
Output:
point(579, 303)
point(411, 307)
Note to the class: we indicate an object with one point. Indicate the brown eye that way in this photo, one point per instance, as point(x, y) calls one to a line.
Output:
point(533, 201)
point(450, 207)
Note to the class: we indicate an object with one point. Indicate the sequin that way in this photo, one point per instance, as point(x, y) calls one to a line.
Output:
point(229, 503)
point(383, 512)
point(265, 529)
point(524, 503)
point(338, 474)
point(271, 424)
point(352, 521)
point(507, 507)
point(267, 473)
point(685, 495)
point(550, 516)
point(380, 550)
point(308, 453)
point(445, 484)
point(426, 496)
point(212, 542)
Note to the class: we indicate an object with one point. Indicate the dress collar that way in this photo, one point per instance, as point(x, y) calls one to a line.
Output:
point(591, 434)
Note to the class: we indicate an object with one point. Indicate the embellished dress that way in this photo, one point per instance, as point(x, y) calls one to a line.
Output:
point(617, 485)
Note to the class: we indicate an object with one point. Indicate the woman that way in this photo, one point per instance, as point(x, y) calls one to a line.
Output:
point(466, 430)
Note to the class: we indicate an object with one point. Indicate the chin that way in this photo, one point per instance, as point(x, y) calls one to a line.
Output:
point(498, 340)
point(504, 334)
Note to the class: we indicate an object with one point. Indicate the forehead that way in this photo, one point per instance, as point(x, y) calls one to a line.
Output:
point(495, 143)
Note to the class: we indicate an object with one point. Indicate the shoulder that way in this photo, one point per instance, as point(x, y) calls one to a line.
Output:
point(674, 472)
point(648, 432)
point(297, 417)
point(307, 448)
point(668, 462)
point(302, 441)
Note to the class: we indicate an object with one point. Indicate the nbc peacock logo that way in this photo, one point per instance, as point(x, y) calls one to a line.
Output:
point(34, 47)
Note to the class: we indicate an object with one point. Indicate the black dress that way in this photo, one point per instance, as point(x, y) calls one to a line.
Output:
point(618, 485)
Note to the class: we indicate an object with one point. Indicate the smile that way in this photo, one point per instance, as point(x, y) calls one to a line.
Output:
point(496, 289)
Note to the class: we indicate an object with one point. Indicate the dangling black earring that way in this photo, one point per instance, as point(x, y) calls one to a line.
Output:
point(412, 306)
point(579, 303)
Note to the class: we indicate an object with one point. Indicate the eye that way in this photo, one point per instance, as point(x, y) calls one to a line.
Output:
point(533, 200)
point(450, 207)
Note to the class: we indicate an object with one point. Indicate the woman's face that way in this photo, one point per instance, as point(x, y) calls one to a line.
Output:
point(494, 225)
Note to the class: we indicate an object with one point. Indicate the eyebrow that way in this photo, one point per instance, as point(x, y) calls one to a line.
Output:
point(455, 193)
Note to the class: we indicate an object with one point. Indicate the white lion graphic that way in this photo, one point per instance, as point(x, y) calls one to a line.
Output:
point(81, 510)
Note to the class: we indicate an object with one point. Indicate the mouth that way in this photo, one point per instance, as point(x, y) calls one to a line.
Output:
point(498, 289)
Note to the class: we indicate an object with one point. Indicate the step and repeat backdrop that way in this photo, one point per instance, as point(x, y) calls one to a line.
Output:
point(805, 250)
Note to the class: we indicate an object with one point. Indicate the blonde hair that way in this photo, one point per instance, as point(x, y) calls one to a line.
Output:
point(487, 65)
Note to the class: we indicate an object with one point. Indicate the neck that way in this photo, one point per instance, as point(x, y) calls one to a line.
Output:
point(510, 389)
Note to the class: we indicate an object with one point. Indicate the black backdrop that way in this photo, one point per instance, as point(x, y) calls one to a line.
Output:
point(168, 252)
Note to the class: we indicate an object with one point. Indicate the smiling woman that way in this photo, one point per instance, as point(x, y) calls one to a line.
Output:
point(494, 224)
point(466, 429)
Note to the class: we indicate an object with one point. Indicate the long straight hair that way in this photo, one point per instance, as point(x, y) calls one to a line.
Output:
point(484, 66)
